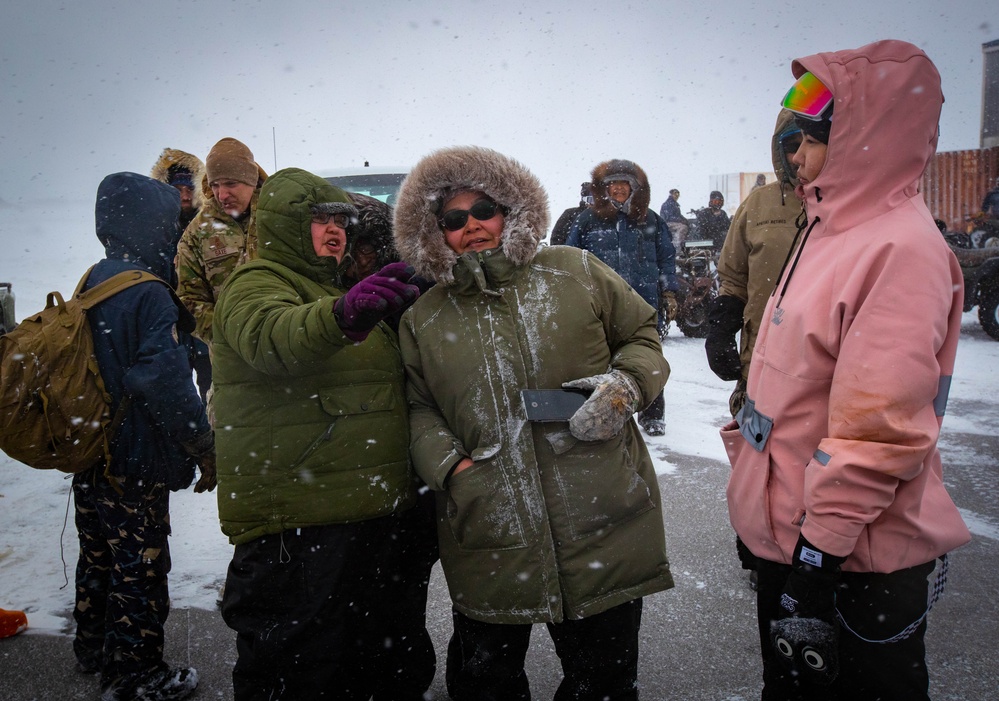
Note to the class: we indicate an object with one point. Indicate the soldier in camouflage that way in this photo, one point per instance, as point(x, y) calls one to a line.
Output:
point(223, 235)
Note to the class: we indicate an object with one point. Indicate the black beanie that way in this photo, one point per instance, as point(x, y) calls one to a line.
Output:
point(817, 130)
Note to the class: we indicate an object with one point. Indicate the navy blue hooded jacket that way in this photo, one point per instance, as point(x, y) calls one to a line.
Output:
point(135, 333)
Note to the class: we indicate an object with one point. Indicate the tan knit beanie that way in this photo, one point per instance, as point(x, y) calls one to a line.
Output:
point(230, 159)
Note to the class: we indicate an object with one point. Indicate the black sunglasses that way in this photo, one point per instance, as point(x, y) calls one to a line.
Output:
point(455, 219)
point(339, 219)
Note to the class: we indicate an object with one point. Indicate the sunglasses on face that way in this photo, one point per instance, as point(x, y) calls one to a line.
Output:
point(808, 98)
point(339, 219)
point(455, 219)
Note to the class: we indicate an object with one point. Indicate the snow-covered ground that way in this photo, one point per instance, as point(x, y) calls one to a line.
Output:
point(56, 244)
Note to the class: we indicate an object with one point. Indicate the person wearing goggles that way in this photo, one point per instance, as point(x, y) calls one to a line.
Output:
point(508, 314)
point(846, 391)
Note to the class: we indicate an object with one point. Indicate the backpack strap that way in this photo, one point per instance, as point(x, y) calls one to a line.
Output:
point(122, 281)
point(112, 286)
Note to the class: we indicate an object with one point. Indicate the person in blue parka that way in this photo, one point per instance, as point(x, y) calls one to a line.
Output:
point(122, 508)
point(621, 230)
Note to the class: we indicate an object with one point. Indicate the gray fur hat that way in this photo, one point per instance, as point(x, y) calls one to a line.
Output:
point(437, 177)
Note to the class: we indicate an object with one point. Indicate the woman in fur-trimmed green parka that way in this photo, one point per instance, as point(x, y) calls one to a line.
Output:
point(555, 522)
point(312, 444)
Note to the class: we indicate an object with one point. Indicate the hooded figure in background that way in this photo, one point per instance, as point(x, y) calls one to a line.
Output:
point(837, 485)
point(624, 233)
point(556, 522)
point(181, 170)
point(122, 509)
point(758, 242)
point(712, 221)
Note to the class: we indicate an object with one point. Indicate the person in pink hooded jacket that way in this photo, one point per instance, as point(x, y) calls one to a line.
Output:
point(836, 483)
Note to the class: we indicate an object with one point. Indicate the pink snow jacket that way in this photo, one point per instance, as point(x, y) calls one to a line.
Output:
point(849, 379)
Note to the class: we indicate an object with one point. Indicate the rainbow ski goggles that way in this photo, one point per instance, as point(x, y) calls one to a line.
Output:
point(808, 98)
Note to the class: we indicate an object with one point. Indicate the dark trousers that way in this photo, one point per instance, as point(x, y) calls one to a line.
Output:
point(599, 657)
point(875, 606)
point(122, 600)
point(654, 411)
point(332, 612)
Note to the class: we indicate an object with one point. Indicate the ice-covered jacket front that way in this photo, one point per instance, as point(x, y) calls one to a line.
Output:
point(634, 240)
point(851, 369)
point(542, 527)
point(315, 426)
point(134, 334)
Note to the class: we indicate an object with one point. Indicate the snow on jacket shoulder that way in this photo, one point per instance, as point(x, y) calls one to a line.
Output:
point(849, 375)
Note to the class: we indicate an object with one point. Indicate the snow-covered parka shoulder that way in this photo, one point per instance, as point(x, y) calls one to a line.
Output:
point(850, 372)
point(316, 427)
point(171, 157)
point(541, 527)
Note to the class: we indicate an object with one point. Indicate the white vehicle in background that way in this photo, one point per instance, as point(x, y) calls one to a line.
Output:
point(382, 183)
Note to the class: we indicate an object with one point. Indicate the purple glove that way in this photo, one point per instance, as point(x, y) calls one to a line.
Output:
point(374, 298)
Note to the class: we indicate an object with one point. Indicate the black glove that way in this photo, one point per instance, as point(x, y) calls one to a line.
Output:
point(374, 298)
point(724, 322)
point(202, 449)
point(806, 637)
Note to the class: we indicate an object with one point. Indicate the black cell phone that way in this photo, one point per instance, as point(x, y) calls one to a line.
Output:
point(552, 404)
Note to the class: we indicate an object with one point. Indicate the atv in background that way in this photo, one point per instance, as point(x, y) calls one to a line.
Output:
point(980, 267)
point(7, 322)
point(697, 275)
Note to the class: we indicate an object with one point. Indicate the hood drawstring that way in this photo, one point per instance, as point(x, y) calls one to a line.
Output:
point(801, 221)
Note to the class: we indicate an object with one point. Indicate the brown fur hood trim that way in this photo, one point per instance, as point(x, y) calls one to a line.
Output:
point(418, 237)
point(618, 169)
point(172, 156)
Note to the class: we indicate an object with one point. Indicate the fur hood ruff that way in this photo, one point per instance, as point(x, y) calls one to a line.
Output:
point(419, 239)
point(619, 169)
point(172, 156)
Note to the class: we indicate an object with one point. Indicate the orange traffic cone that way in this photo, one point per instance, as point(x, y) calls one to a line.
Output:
point(12, 622)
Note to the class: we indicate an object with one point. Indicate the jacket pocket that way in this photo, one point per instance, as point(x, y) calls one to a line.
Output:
point(482, 509)
point(358, 399)
point(599, 485)
point(748, 490)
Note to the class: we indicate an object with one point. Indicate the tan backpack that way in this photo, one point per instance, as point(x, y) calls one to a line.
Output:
point(54, 409)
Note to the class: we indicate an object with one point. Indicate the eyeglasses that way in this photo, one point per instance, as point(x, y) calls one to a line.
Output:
point(808, 98)
point(455, 219)
point(339, 219)
point(789, 140)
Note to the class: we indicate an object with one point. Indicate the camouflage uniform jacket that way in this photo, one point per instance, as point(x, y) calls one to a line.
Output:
point(212, 247)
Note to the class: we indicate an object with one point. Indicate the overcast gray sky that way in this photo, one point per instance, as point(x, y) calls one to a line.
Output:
point(685, 89)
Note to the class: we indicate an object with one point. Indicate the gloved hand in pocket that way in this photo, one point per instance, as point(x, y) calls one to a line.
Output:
point(806, 636)
point(615, 398)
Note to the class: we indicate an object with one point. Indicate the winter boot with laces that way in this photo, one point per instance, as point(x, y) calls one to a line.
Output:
point(161, 683)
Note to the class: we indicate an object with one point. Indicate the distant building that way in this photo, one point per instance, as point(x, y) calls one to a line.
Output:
point(734, 186)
